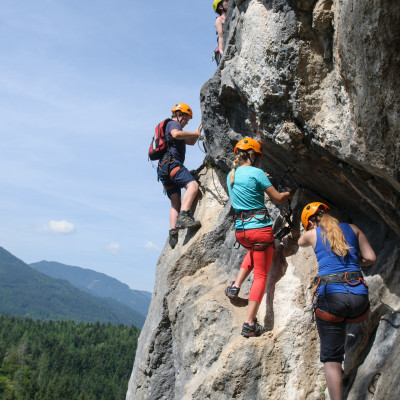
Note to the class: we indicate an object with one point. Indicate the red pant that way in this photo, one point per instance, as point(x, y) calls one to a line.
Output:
point(259, 261)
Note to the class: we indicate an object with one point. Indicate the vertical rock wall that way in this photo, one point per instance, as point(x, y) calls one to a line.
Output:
point(316, 83)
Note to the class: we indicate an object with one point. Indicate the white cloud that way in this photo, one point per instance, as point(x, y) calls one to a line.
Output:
point(113, 248)
point(63, 227)
point(151, 246)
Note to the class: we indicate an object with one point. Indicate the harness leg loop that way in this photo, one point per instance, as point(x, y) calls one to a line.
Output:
point(261, 246)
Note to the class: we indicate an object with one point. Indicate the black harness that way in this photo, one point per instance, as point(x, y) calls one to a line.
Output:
point(343, 277)
point(249, 214)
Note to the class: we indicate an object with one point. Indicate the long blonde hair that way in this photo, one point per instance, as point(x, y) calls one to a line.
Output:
point(240, 158)
point(330, 230)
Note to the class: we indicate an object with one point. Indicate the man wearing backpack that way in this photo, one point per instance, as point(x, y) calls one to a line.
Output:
point(174, 175)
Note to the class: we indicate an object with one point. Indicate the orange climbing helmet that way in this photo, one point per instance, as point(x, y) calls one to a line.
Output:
point(184, 108)
point(247, 144)
point(310, 209)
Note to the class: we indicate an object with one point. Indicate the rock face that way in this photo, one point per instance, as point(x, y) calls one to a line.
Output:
point(317, 83)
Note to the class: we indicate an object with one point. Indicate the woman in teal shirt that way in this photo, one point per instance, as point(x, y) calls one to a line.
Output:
point(247, 185)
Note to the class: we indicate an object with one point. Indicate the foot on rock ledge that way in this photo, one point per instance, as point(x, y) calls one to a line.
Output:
point(185, 220)
point(232, 291)
point(255, 329)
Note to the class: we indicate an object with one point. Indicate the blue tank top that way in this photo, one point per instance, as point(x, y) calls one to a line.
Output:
point(330, 263)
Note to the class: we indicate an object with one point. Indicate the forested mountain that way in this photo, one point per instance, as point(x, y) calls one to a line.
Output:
point(97, 284)
point(26, 292)
point(64, 360)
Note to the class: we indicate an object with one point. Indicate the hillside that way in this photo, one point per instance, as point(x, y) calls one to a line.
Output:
point(26, 292)
point(97, 284)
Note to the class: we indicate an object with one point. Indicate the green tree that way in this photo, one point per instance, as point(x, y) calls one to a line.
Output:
point(64, 360)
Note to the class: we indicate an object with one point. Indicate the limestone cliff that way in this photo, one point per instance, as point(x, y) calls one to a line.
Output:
point(317, 83)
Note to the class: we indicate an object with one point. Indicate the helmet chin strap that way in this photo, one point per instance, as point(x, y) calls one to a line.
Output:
point(252, 162)
point(177, 118)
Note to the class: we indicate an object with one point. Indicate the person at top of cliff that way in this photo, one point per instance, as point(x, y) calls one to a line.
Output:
point(247, 185)
point(221, 8)
point(174, 175)
point(342, 294)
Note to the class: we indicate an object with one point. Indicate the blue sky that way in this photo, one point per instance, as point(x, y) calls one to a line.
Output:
point(82, 86)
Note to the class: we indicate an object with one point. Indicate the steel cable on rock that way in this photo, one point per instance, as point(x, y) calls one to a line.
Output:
point(219, 197)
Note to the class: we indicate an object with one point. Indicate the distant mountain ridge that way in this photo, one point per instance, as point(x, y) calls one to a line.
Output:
point(97, 284)
point(27, 292)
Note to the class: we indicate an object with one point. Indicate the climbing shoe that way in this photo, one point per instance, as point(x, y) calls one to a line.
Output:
point(252, 330)
point(173, 237)
point(185, 220)
point(232, 291)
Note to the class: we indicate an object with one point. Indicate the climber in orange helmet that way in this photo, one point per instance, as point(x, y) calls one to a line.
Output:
point(174, 175)
point(247, 185)
point(342, 294)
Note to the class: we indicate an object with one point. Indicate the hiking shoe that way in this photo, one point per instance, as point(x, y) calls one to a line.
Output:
point(173, 237)
point(185, 220)
point(253, 330)
point(232, 292)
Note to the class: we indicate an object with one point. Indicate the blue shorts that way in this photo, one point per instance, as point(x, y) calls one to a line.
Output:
point(173, 175)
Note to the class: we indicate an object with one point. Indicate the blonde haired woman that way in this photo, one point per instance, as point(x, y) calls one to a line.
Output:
point(342, 295)
point(247, 185)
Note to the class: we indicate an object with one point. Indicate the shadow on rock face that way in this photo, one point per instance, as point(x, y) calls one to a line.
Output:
point(278, 268)
point(239, 302)
point(276, 272)
point(189, 234)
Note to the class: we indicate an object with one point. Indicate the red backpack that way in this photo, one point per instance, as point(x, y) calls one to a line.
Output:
point(159, 143)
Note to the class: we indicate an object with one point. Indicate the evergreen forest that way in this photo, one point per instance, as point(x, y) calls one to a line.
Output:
point(52, 360)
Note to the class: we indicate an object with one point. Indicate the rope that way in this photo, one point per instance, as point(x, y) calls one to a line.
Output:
point(219, 197)
point(202, 139)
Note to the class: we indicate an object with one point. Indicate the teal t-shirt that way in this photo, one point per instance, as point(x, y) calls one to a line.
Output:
point(247, 193)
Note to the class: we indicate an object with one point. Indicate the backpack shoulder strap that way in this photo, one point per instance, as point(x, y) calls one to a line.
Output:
point(164, 126)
